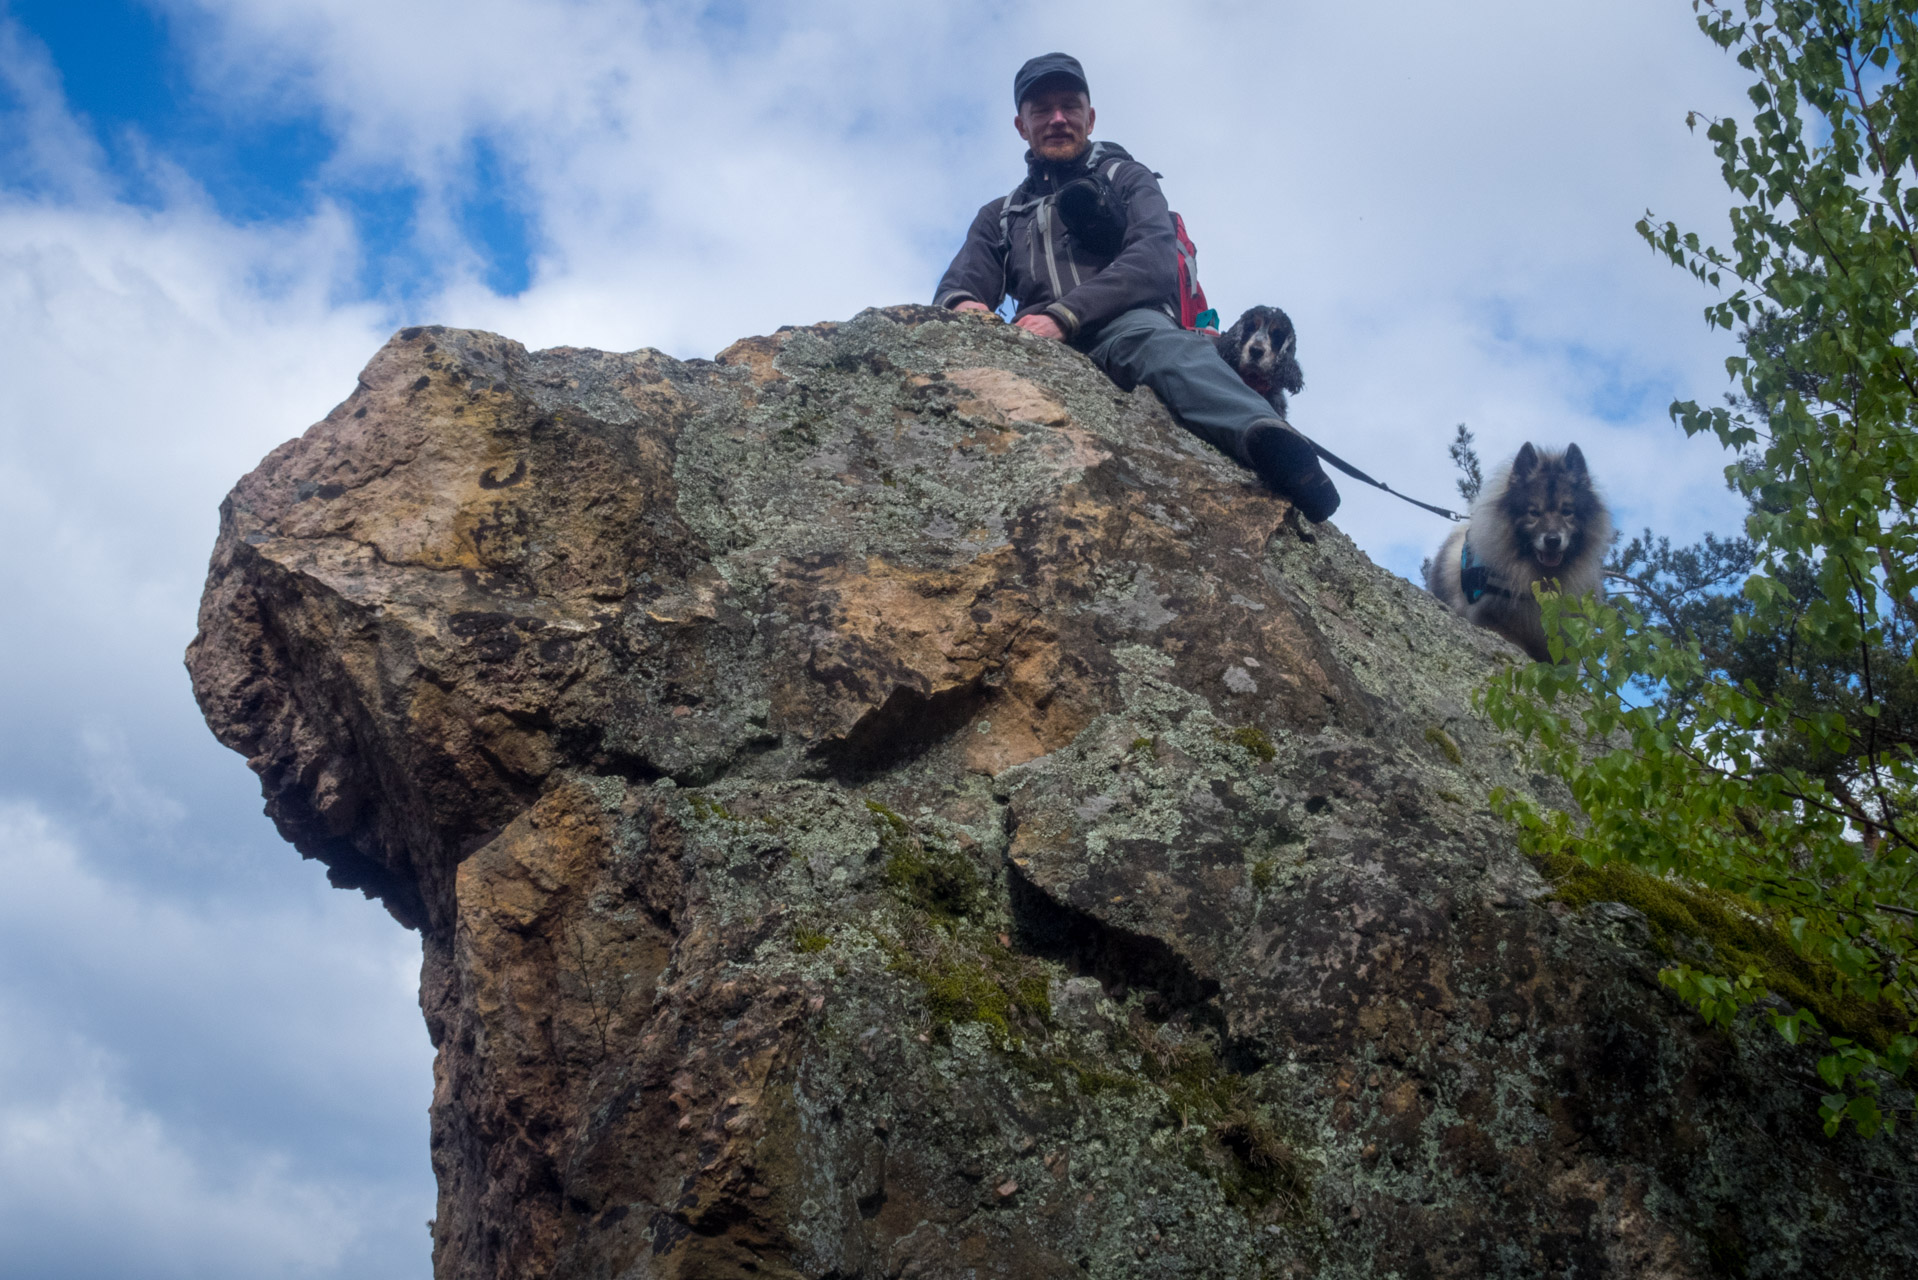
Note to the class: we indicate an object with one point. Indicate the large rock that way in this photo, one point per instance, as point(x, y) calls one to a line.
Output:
point(887, 802)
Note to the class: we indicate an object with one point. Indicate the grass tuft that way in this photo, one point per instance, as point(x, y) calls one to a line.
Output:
point(989, 985)
point(1255, 741)
point(1252, 1163)
point(942, 883)
point(1445, 743)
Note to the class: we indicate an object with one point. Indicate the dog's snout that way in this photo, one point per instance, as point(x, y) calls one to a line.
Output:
point(1553, 541)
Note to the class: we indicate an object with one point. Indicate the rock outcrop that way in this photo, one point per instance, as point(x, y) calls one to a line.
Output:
point(886, 802)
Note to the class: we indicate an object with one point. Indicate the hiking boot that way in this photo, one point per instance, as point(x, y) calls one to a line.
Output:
point(1287, 461)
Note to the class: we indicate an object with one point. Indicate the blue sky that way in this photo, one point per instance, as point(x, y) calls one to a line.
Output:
point(212, 212)
point(127, 73)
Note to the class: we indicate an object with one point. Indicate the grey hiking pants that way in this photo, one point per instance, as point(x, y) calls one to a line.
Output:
point(1147, 345)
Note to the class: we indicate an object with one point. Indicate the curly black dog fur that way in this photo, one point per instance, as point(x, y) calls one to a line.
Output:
point(1262, 349)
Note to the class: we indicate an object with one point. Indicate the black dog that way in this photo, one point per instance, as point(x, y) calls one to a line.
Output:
point(1260, 350)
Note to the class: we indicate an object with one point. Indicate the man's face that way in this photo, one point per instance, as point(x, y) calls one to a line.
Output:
point(1055, 122)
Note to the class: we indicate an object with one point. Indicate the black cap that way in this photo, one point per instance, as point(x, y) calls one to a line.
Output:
point(1047, 66)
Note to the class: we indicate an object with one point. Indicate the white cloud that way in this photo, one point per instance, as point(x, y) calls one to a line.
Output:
point(96, 1178)
point(118, 783)
point(151, 358)
point(91, 1185)
point(40, 142)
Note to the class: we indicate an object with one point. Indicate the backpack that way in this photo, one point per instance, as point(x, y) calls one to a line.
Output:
point(1194, 311)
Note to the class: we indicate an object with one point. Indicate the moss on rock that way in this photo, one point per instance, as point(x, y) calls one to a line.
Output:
point(1725, 934)
point(943, 883)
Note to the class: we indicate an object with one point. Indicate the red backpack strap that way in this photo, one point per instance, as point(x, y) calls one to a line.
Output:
point(1191, 295)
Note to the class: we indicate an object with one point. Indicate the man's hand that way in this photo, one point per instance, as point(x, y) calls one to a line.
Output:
point(1043, 325)
point(970, 305)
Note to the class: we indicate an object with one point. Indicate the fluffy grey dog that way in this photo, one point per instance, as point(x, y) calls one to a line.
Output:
point(1262, 349)
point(1540, 519)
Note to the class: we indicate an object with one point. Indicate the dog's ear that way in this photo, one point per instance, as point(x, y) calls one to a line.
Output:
point(1526, 462)
point(1288, 374)
point(1575, 463)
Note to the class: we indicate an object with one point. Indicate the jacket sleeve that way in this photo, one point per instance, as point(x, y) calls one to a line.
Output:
point(1146, 271)
point(978, 271)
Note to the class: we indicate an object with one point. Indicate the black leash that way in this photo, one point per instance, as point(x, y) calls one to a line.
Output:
point(1362, 478)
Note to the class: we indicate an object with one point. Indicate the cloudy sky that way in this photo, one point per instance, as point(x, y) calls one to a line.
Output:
point(213, 211)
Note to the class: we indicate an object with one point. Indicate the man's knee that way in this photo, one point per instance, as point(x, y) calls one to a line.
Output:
point(1175, 353)
point(1138, 342)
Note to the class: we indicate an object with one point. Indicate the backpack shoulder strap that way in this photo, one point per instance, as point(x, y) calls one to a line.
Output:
point(1005, 217)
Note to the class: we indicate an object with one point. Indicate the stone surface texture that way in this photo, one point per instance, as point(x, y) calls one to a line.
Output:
point(886, 802)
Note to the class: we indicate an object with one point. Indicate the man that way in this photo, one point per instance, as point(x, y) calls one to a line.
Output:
point(1110, 286)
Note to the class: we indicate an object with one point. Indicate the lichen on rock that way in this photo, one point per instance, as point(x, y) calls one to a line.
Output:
point(886, 802)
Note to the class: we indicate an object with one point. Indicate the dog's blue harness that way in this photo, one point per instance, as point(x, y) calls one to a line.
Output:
point(1475, 576)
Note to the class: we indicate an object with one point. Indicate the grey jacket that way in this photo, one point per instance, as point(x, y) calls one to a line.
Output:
point(1017, 246)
